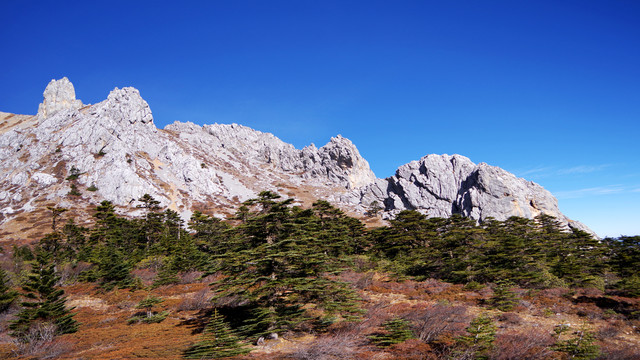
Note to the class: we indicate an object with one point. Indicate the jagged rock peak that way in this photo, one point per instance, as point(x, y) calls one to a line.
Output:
point(442, 185)
point(59, 95)
point(124, 104)
point(347, 162)
point(339, 161)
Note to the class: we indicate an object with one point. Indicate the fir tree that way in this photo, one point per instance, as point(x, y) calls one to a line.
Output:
point(624, 258)
point(43, 302)
point(580, 260)
point(503, 299)
point(581, 345)
point(397, 330)
point(7, 295)
point(149, 316)
point(218, 341)
point(211, 233)
point(481, 334)
point(113, 269)
point(277, 264)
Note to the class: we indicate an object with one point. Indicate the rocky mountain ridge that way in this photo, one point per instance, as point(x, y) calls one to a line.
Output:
point(112, 150)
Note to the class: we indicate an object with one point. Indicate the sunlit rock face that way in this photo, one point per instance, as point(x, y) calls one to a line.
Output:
point(116, 150)
point(442, 185)
point(59, 95)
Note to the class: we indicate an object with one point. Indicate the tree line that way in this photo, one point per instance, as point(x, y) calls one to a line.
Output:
point(276, 261)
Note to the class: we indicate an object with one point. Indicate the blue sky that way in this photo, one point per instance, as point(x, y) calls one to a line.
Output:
point(549, 90)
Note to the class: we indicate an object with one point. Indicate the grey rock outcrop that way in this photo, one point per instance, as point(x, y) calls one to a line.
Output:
point(59, 95)
point(118, 150)
point(442, 185)
point(114, 147)
point(338, 162)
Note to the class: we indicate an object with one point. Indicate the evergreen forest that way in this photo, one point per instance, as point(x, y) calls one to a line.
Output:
point(277, 271)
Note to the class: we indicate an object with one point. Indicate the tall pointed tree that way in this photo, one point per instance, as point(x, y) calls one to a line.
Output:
point(218, 341)
point(7, 295)
point(43, 303)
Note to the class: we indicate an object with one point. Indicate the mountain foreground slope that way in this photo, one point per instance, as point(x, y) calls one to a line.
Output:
point(74, 155)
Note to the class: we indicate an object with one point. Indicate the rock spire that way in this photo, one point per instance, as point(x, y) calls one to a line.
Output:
point(59, 95)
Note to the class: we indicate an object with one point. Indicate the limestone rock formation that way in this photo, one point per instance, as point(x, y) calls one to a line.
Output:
point(338, 162)
point(114, 148)
point(59, 95)
point(442, 185)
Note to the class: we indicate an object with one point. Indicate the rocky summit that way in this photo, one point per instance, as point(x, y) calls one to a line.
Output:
point(73, 155)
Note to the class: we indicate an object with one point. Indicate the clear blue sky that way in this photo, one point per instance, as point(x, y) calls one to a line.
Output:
point(549, 90)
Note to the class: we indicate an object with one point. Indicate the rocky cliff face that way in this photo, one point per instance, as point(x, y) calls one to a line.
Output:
point(442, 185)
point(115, 149)
point(59, 95)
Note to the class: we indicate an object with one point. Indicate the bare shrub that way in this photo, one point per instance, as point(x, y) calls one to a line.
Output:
point(335, 346)
point(70, 272)
point(608, 332)
point(40, 332)
point(40, 343)
point(199, 300)
point(434, 286)
point(146, 275)
point(7, 316)
point(364, 281)
point(376, 315)
point(412, 349)
point(624, 351)
point(432, 321)
point(589, 292)
point(108, 320)
point(523, 344)
point(510, 318)
point(190, 277)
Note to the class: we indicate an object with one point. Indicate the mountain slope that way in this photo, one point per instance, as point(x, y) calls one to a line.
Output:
point(114, 149)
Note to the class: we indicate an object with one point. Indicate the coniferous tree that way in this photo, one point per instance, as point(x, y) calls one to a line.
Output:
point(511, 253)
point(43, 302)
point(457, 252)
point(75, 237)
point(581, 260)
point(579, 345)
point(481, 334)
point(504, 299)
point(218, 341)
point(624, 258)
point(397, 330)
point(114, 269)
point(7, 295)
point(278, 264)
point(211, 234)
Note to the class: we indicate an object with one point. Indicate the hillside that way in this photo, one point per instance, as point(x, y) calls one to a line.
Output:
point(122, 240)
point(298, 283)
point(112, 150)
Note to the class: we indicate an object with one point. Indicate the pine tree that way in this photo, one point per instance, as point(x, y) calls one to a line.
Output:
point(503, 299)
point(7, 295)
point(149, 315)
point(277, 264)
point(481, 334)
point(218, 341)
point(624, 258)
point(44, 303)
point(580, 346)
point(113, 269)
point(397, 330)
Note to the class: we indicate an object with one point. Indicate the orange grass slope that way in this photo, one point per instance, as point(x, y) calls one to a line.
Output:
point(105, 333)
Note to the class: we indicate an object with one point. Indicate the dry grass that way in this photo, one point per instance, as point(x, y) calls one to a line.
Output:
point(105, 334)
point(438, 312)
